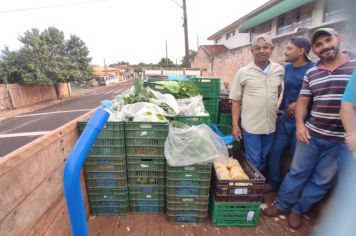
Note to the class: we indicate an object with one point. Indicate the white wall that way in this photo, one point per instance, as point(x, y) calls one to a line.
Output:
point(238, 40)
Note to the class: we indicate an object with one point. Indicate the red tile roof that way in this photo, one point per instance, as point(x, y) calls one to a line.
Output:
point(214, 49)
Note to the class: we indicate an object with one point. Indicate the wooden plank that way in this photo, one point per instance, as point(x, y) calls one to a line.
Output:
point(48, 217)
point(27, 175)
point(60, 226)
point(31, 209)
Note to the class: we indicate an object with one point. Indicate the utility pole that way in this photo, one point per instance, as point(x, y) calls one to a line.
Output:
point(185, 25)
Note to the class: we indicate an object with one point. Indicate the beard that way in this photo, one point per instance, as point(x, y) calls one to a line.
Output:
point(331, 56)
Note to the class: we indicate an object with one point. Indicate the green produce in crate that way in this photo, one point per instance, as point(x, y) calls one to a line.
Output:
point(180, 90)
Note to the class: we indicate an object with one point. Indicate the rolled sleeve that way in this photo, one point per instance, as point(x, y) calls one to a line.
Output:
point(305, 91)
point(350, 91)
point(236, 90)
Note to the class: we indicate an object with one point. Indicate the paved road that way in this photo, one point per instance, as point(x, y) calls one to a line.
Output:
point(25, 128)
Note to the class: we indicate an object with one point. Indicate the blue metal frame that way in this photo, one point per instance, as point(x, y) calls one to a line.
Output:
point(73, 166)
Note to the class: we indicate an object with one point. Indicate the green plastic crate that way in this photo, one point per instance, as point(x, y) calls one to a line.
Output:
point(156, 142)
point(136, 196)
point(105, 160)
point(186, 219)
point(147, 189)
point(196, 168)
point(145, 164)
point(105, 183)
point(193, 120)
point(144, 208)
point(225, 119)
point(110, 130)
point(198, 203)
point(187, 191)
point(109, 203)
point(107, 151)
point(234, 213)
point(115, 194)
point(148, 130)
point(105, 175)
point(208, 87)
point(143, 151)
point(211, 105)
point(120, 210)
point(194, 172)
point(214, 117)
point(105, 168)
point(146, 177)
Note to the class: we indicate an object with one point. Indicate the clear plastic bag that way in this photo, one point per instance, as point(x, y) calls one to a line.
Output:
point(168, 100)
point(190, 145)
point(144, 111)
point(191, 106)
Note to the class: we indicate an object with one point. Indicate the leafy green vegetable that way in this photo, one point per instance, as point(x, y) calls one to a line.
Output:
point(182, 89)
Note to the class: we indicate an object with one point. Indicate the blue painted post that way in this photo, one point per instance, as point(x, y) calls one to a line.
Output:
point(72, 168)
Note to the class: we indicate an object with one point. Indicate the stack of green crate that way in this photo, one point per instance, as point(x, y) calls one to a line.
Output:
point(209, 88)
point(188, 193)
point(146, 166)
point(105, 171)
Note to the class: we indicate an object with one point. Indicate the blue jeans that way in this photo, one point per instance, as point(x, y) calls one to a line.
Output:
point(284, 136)
point(312, 174)
point(257, 147)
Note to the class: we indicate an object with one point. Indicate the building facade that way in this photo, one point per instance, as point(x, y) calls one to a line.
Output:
point(281, 19)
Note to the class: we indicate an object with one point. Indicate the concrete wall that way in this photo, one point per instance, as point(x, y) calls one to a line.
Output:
point(225, 65)
point(25, 95)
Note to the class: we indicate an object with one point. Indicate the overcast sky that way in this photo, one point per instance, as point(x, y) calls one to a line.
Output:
point(123, 30)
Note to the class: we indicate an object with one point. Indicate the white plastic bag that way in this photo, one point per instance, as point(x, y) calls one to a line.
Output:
point(144, 111)
point(168, 99)
point(187, 145)
point(115, 116)
point(191, 106)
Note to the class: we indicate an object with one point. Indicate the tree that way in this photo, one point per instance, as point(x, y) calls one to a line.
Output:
point(46, 58)
point(191, 56)
point(164, 62)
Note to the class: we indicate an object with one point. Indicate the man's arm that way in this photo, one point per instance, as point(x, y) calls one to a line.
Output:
point(301, 112)
point(348, 116)
point(236, 111)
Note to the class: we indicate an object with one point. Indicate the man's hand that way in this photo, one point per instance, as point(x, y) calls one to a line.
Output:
point(350, 140)
point(236, 131)
point(291, 109)
point(303, 135)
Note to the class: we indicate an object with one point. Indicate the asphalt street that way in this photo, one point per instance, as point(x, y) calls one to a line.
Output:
point(25, 128)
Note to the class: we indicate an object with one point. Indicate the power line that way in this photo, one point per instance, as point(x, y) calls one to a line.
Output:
point(52, 6)
point(177, 3)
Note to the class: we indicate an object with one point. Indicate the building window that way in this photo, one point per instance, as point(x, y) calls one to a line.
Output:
point(217, 41)
point(230, 34)
point(264, 28)
point(333, 11)
point(298, 18)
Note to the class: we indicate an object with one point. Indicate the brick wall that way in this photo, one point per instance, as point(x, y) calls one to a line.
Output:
point(225, 65)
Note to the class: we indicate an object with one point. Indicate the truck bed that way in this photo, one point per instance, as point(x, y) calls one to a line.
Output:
point(157, 224)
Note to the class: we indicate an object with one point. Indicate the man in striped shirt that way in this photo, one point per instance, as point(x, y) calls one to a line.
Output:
point(314, 165)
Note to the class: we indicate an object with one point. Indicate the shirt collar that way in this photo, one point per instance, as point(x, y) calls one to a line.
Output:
point(343, 62)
